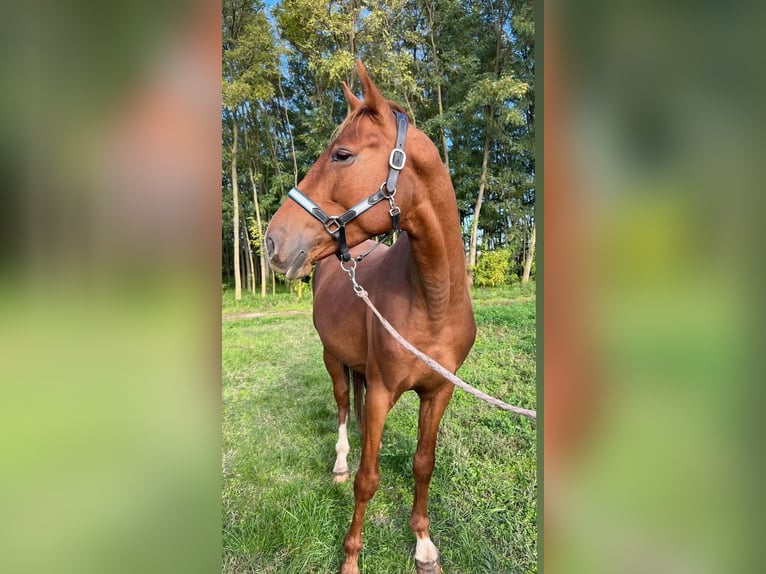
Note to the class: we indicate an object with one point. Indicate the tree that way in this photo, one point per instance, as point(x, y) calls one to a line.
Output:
point(235, 204)
point(463, 69)
point(492, 102)
point(529, 258)
point(493, 268)
point(249, 69)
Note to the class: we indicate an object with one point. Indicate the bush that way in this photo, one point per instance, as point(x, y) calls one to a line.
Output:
point(493, 268)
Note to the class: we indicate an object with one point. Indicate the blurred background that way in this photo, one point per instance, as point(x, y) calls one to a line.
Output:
point(110, 294)
point(651, 271)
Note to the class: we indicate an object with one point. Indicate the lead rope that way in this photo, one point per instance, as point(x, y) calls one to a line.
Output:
point(435, 366)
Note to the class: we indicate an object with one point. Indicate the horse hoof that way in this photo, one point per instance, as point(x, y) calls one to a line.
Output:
point(339, 477)
point(432, 567)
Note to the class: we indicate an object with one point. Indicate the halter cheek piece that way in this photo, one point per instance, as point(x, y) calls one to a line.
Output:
point(335, 225)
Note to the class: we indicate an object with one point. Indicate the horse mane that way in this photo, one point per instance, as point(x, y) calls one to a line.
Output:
point(365, 111)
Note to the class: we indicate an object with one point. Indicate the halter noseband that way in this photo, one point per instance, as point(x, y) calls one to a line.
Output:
point(335, 225)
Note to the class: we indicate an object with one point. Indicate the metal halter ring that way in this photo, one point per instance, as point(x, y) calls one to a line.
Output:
point(351, 270)
point(333, 225)
point(383, 189)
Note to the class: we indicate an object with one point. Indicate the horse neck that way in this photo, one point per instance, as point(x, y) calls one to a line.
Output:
point(436, 245)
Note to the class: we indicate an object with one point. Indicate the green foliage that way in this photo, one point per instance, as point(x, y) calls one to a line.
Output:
point(249, 55)
point(493, 268)
point(255, 235)
point(491, 91)
point(281, 75)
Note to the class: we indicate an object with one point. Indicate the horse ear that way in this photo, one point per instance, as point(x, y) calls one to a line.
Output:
point(373, 99)
point(352, 100)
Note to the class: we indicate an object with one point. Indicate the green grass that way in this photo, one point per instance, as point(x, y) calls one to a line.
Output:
point(281, 512)
point(283, 300)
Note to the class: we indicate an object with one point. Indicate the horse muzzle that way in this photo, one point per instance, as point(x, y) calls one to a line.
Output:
point(287, 255)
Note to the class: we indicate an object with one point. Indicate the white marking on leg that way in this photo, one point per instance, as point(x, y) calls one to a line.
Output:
point(341, 448)
point(425, 550)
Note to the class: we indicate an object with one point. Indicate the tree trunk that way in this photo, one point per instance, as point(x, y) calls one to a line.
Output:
point(235, 200)
point(438, 85)
point(490, 114)
point(529, 258)
point(443, 131)
point(261, 250)
point(243, 266)
point(355, 6)
point(409, 107)
point(289, 132)
point(226, 266)
point(250, 264)
point(477, 210)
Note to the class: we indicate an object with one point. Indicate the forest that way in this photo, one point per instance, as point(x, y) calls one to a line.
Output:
point(462, 69)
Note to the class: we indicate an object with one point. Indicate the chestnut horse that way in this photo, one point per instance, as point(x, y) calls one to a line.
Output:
point(419, 284)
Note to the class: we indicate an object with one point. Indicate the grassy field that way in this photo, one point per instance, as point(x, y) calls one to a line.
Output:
point(281, 512)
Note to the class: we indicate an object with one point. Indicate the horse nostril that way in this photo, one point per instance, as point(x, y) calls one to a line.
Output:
point(269, 246)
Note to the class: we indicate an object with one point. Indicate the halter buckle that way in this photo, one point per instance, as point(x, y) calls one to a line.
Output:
point(333, 225)
point(397, 159)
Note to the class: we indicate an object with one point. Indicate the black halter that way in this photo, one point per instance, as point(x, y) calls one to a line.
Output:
point(335, 225)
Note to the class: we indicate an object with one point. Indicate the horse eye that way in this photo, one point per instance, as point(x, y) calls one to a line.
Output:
point(342, 155)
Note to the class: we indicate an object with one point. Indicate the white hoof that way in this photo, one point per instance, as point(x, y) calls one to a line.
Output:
point(340, 476)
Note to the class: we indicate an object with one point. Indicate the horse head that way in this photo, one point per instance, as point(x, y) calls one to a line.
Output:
point(345, 188)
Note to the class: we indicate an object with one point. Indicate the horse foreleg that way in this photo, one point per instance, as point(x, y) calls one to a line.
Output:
point(340, 388)
point(432, 408)
point(377, 405)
